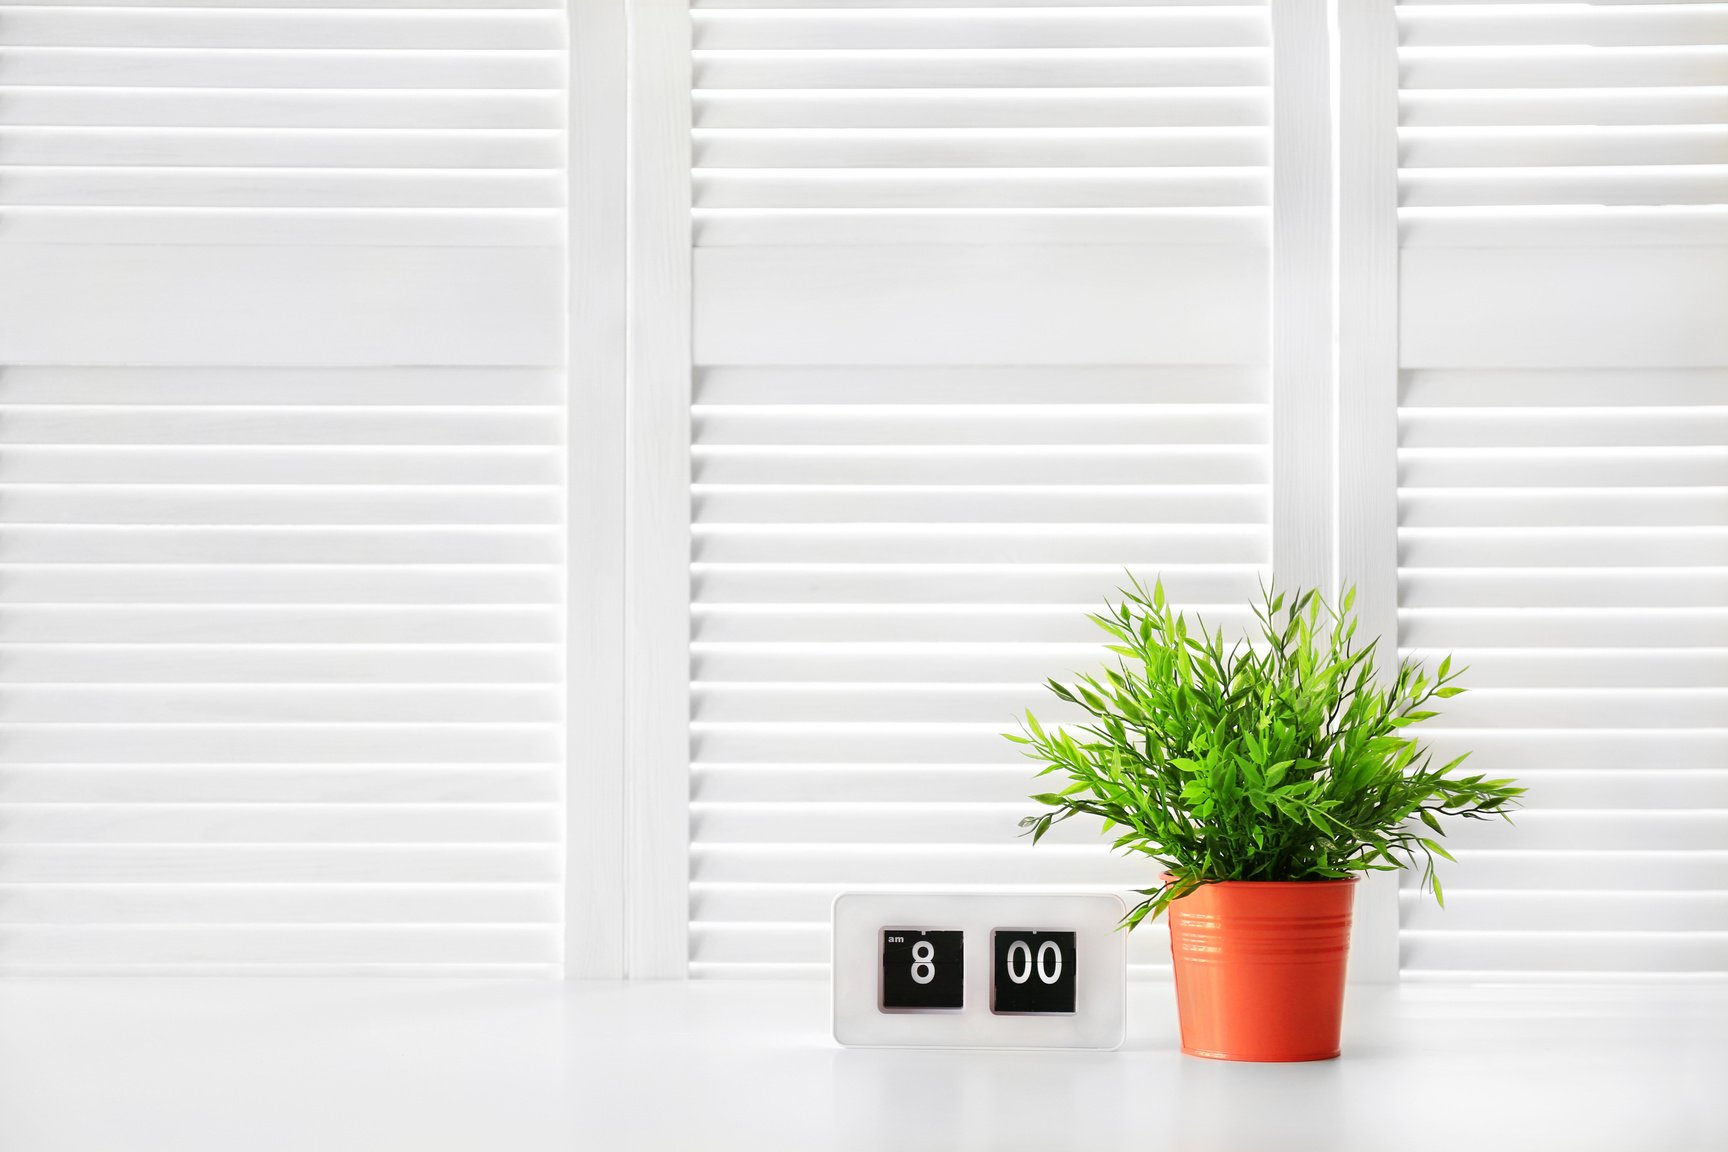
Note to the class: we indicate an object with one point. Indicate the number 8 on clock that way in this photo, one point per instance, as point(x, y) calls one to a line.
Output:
point(923, 970)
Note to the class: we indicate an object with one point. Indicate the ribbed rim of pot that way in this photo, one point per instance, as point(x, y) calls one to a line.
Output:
point(1275, 883)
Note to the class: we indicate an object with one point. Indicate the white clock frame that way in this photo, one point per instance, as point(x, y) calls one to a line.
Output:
point(1099, 1020)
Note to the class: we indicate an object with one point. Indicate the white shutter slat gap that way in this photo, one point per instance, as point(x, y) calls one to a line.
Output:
point(1563, 510)
point(281, 464)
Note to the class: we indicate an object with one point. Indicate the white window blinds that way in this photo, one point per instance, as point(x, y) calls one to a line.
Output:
point(980, 319)
point(281, 327)
point(1563, 515)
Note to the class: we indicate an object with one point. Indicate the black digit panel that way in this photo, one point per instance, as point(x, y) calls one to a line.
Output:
point(923, 970)
point(1032, 972)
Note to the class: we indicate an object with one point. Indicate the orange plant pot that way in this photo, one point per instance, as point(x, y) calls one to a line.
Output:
point(1260, 968)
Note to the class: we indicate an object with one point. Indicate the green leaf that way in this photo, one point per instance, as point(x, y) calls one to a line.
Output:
point(1434, 847)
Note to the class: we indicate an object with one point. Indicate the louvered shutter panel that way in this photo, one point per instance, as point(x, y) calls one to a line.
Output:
point(980, 319)
point(1562, 414)
point(280, 557)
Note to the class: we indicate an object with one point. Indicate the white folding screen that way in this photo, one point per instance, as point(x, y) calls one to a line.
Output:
point(281, 410)
point(1562, 396)
point(980, 319)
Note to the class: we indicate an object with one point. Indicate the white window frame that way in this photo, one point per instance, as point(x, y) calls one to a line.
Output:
point(1367, 379)
point(594, 833)
point(627, 792)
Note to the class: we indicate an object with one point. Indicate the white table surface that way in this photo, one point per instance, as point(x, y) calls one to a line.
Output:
point(98, 1065)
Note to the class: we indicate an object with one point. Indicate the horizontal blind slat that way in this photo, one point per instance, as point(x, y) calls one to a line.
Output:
point(1633, 507)
point(1153, 385)
point(1620, 389)
point(1644, 953)
point(1147, 27)
point(1633, 788)
point(279, 864)
point(269, 386)
point(1019, 624)
point(899, 865)
point(187, 701)
point(60, 146)
point(221, 187)
point(280, 544)
point(273, 823)
point(954, 584)
point(1040, 424)
point(1539, 547)
point(112, 664)
point(255, 742)
point(108, 106)
point(330, 5)
point(977, 823)
point(463, 427)
point(1496, 187)
point(982, 108)
point(401, 783)
point(1569, 912)
point(284, 27)
point(278, 624)
point(257, 904)
point(279, 584)
point(349, 465)
point(1619, 588)
point(376, 68)
point(1160, 547)
point(1599, 26)
point(700, 5)
point(1563, 628)
point(950, 466)
point(1015, 148)
point(1548, 67)
point(1643, 146)
point(274, 504)
point(936, 188)
point(1236, 504)
point(122, 944)
point(982, 68)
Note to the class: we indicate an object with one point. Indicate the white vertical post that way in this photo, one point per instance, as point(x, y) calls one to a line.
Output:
point(1368, 381)
point(1303, 541)
point(657, 503)
point(594, 471)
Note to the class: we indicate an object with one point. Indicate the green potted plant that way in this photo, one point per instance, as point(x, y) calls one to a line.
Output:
point(1264, 778)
